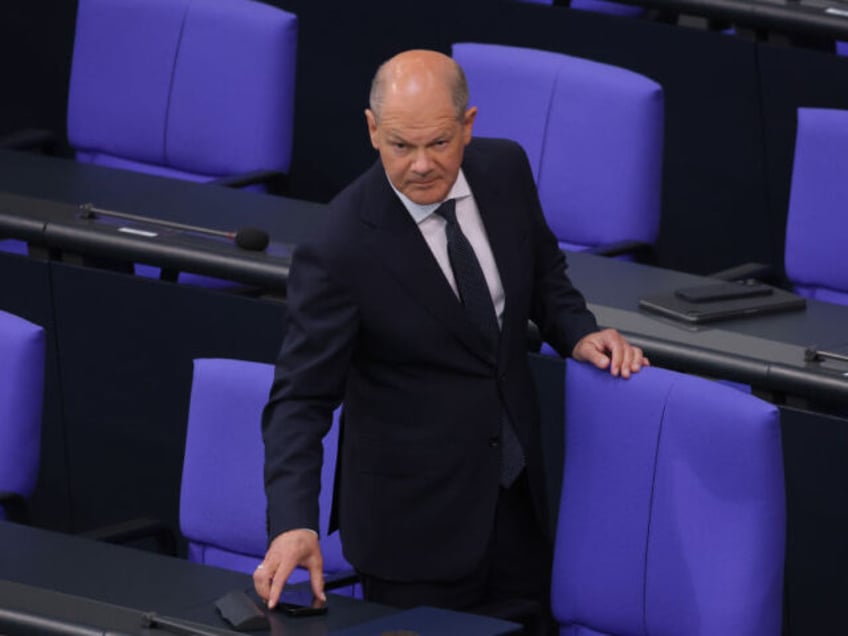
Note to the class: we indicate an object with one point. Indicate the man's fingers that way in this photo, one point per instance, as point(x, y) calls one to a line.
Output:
point(262, 580)
point(278, 581)
point(286, 552)
point(316, 579)
point(608, 349)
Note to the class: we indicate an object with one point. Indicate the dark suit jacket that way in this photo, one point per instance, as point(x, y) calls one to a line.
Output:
point(373, 321)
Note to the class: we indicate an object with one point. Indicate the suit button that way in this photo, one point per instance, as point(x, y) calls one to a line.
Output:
point(494, 442)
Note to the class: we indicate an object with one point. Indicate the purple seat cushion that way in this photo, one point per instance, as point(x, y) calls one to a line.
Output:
point(609, 8)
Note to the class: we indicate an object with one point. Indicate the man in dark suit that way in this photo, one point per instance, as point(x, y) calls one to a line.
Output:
point(441, 495)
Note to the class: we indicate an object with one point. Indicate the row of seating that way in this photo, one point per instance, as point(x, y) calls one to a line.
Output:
point(685, 536)
point(214, 101)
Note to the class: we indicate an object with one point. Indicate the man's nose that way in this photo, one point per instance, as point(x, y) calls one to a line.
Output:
point(422, 163)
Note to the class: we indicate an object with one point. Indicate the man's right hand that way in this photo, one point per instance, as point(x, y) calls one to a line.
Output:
point(287, 551)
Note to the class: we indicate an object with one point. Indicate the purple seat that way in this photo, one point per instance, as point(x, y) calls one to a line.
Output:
point(816, 226)
point(593, 134)
point(609, 8)
point(14, 246)
point(672, 515)
point(22, 349)
point(222, 498)
point(190, 89)
point(599, 6)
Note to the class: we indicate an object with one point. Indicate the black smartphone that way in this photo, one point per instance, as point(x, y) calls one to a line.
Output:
point(726, 290)
point(301, 602)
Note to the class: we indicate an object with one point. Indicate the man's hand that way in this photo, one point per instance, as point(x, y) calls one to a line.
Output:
point(287, 551)
point(609, 349)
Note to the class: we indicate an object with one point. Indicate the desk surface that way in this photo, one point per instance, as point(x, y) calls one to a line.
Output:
point(41, 199)
point(765, 351)
point(217, 207)
point(137, 581)
point(827, 18)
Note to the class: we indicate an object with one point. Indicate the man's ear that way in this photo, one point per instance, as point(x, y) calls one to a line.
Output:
point(372, 127)
point(468, 124)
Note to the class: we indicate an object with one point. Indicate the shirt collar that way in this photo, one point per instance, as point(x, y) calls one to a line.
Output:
point(419, 212)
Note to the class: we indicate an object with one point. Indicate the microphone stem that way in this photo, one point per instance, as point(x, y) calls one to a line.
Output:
point(91, 212)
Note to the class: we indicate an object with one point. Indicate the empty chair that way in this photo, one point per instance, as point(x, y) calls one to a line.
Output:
point(22, 350)
point(222, 499)
point(593, 134)
point(192, 89)
point(816, 226)
point(672, 515)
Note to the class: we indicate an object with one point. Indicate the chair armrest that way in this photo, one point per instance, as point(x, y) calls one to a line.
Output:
point(30, 139)
point(275, 181)
point(639, 249)
point(135, 531)
point(14, 506)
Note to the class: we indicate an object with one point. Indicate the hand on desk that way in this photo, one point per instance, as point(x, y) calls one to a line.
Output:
point(609, 349)
point(287, 551)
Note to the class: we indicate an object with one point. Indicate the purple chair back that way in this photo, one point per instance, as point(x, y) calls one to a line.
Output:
point(593, 134)
point(672, 516)
point(222, 499)
point(609, 8)
point(192, 89)
point(817, 225)
point(598, 6)
point(22, 349)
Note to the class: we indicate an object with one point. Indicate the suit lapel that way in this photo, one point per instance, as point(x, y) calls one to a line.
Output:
point(393, 237)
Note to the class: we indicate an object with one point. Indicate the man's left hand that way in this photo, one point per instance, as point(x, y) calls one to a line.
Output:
point(609, 349)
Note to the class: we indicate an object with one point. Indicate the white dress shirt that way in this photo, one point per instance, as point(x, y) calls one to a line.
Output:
point(432, 228)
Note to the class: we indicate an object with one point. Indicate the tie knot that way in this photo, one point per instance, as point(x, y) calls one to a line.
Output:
point(447, 210)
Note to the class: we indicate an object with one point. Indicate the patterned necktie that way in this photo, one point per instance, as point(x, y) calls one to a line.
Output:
point(475, 297)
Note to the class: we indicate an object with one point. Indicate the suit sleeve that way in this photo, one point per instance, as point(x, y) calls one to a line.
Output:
point(320, 327)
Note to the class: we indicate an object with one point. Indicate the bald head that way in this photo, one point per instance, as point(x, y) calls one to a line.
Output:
point(419, 72)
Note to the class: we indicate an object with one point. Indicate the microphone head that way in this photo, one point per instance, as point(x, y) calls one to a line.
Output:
point(253, 239)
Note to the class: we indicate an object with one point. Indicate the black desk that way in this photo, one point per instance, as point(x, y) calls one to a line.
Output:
point(134, 581)
point(828, 18)
point(217, 207)
point(41, 199)
point(119, 346)
point(766, 352)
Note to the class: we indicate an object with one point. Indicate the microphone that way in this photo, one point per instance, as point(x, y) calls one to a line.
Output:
point(247, 238)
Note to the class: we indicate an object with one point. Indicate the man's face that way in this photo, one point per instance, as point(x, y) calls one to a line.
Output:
point(421, 142)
